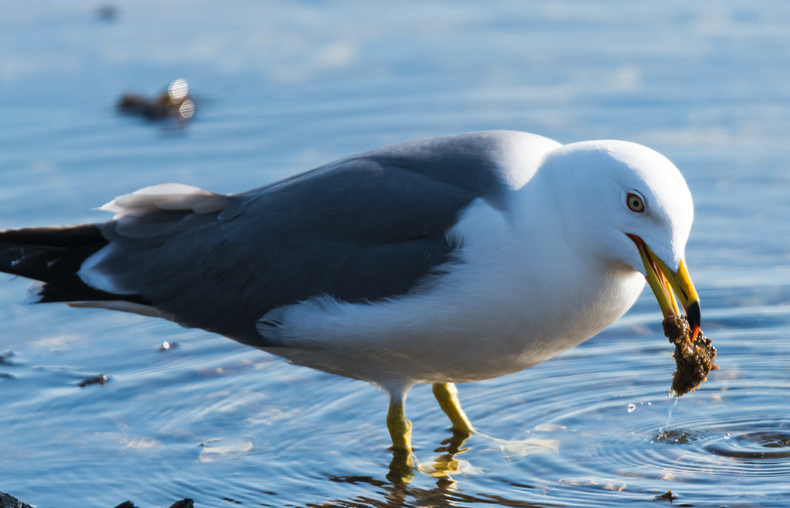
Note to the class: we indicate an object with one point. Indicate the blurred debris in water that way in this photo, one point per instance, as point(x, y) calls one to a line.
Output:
point(173, 104)
point(167, 346)
point(666, 496)
point(107, 13)
point(9, 501)
point(100, 379)
point(5, 357)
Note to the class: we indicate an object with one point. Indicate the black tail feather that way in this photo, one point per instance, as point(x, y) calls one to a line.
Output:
point(54, 255)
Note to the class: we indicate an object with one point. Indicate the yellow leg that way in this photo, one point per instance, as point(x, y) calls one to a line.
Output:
point(402, 466)
point(398, 425)
point(447, 395)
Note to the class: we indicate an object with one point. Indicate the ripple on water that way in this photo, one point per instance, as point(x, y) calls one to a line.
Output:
point(764, 442)
point(622, 439)
point(714, 446)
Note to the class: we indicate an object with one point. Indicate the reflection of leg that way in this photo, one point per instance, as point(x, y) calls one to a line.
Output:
point(400, 432)
point(447, 395)
point(447, 464)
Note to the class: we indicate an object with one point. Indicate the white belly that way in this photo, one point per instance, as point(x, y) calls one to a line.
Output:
point(498, 311)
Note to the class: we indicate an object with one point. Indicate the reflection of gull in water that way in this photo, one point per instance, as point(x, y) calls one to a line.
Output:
point(443, 260)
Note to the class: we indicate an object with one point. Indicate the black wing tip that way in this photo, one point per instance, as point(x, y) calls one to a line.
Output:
point(53, 237)
point(54, 256)
point(80, 292)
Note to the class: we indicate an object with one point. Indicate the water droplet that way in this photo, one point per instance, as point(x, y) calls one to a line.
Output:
point(631, 408)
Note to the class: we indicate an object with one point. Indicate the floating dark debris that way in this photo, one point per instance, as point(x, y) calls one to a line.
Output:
point(167, 346)
point(107, 12)
point(101, 379)
point(693, 358)
point(5, 357)
point(666, 496)
point(9, 501)
point(173, 104)
point(183, 503)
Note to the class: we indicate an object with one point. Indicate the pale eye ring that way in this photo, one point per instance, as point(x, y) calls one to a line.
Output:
point(635, 202)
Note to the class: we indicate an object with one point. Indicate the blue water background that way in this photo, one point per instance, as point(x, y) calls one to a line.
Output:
point(284, 86)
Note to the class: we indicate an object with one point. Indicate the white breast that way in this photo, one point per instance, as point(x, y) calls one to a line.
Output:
point(491, 314)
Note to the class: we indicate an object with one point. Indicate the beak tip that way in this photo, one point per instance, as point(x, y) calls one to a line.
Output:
point(694, 317)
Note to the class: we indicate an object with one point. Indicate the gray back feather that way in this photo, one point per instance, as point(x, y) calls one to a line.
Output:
point(361, 229)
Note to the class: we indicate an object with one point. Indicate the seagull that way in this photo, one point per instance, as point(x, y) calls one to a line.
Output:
point(439, 261)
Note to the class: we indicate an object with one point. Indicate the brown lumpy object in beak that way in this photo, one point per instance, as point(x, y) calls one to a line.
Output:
point(693, 358)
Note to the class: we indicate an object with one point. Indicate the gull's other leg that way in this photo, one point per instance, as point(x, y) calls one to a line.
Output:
point(447, 396)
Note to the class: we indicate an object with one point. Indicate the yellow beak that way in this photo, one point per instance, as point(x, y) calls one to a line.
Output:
point(666, 284)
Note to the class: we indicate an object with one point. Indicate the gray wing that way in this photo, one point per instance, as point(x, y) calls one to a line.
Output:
point(362, 229)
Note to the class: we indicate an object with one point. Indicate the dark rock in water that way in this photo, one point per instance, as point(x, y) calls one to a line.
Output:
point(9, 501)
point(126, 504)
point(693, 358)
point(101, 379)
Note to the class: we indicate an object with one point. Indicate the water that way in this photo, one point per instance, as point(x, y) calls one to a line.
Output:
point(281, 87)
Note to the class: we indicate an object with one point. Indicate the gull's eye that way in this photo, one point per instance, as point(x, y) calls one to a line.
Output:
point(635, 202)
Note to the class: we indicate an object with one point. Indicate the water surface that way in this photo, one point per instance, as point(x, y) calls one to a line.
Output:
point(284, 86)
